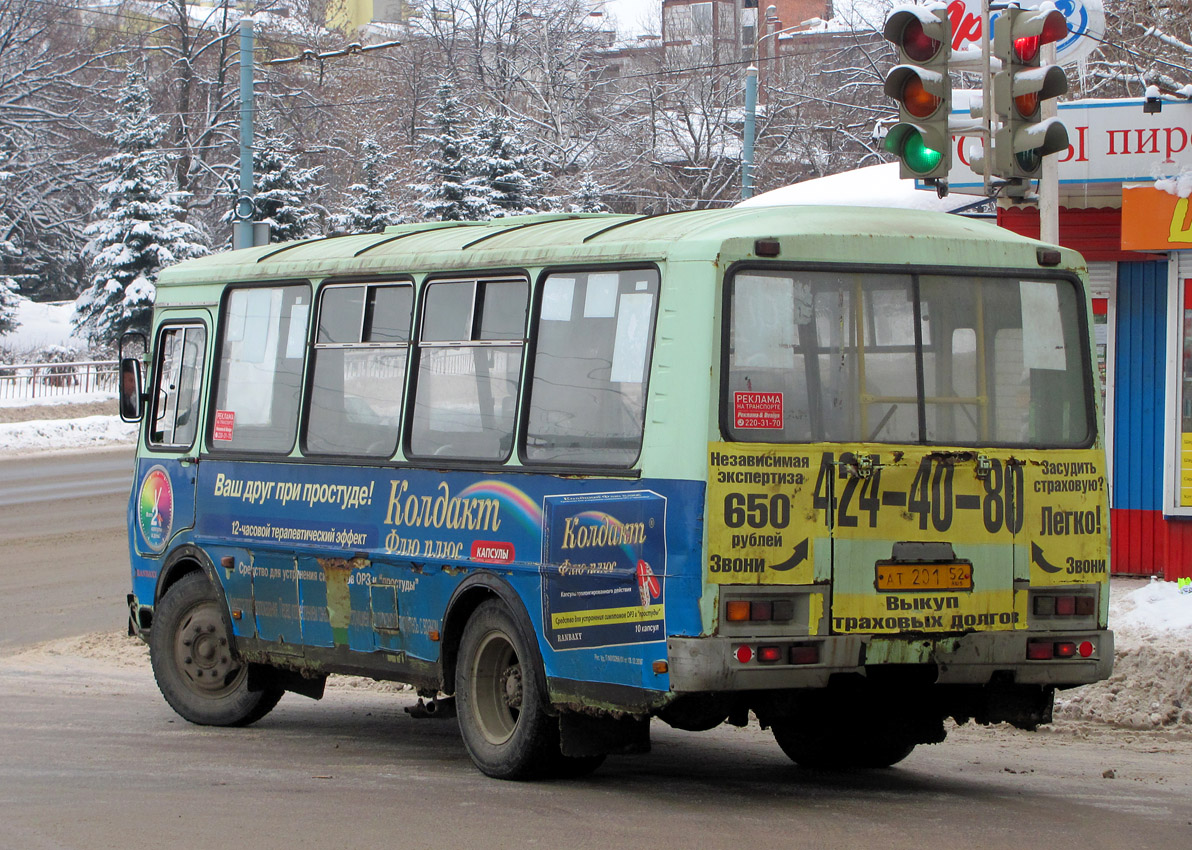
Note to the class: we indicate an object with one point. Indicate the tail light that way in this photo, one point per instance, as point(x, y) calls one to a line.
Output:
point(1046, 650)
point(1064, 605)
point(759, 610)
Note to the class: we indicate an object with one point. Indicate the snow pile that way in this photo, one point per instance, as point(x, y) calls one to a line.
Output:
point(65, 433)
point(1151, 685)
point(872, 186)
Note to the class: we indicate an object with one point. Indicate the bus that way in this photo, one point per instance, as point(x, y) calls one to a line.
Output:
point(837, 470)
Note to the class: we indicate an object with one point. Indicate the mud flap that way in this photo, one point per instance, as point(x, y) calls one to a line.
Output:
point(583, 735)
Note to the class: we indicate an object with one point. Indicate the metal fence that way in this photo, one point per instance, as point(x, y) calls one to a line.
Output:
point(57, 380)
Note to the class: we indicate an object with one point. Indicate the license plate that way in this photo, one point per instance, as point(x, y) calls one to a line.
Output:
point(912, 577)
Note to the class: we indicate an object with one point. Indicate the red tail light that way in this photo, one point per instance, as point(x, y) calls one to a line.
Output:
point(804, 655)
point(1065, 649)
point(769, 654)
point(1039, 650)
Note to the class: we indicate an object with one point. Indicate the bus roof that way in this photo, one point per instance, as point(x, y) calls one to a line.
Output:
point(804, 233)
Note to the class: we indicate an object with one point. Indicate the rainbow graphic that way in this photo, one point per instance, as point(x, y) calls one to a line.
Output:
point(155, 508)
point(514, 503)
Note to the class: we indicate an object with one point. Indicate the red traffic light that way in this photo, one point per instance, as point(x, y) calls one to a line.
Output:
point(916, 43)
point(1052, 27)
point(919, 34)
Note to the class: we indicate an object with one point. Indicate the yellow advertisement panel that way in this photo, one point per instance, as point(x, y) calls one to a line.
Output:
point(912, 538)
point(1065, 538)
point(763, 525)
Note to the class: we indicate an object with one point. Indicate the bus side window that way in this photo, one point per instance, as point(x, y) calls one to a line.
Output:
point(469, 366)
point(262, 352)
point(595, 332)
point(177, 383)
point(358, 370)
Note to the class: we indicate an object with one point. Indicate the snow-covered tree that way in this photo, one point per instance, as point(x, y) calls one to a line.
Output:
point(8, 286)
point(283, 190)
point(447, 192)
point(506, 172)
point(8, 302)
point(367, 207)
point(588, 197)
point(137, 227)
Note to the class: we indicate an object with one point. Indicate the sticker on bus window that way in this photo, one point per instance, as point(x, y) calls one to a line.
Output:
point(757, 410)
point(225, 421)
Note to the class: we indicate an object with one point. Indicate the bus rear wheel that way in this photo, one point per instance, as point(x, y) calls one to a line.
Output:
point(501, 713)
point(836, 747)
point(193, 662)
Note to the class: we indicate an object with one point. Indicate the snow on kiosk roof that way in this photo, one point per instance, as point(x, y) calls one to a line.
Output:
point(824, 234)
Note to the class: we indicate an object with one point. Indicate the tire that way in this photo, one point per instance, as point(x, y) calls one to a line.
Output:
point(834, 747)
point(501, 713)
point(193, 662)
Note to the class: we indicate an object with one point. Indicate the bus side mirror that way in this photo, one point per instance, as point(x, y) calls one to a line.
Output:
point(131, 394)
point(132, 391)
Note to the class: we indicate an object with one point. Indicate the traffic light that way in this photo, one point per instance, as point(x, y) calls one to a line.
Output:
point(1020, 88)
point(923, 89)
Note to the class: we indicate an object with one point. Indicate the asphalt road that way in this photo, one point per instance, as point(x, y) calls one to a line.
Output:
point(63, 546)
point(91, 757)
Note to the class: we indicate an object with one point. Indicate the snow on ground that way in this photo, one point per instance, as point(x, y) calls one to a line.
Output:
point(1151, 685)
point(42, 434)
point(41, 324)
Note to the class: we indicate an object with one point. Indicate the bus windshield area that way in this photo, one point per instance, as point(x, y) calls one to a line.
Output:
point(848, 356)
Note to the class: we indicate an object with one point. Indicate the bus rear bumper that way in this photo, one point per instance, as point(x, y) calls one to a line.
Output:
point(716, 664)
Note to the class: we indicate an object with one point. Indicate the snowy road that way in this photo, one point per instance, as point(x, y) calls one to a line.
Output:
point(91, 757)
point(64, 569)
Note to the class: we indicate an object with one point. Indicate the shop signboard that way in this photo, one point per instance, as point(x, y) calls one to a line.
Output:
point(1111, 141)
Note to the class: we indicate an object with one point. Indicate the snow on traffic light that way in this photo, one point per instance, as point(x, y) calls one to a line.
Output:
point(1020, 88)
point(921, 86)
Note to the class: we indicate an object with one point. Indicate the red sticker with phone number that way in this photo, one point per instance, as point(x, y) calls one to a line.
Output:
point(757, 410)
point(225, 422)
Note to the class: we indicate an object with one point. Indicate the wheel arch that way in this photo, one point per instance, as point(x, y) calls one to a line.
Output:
point(183, 561)
point(474, 591)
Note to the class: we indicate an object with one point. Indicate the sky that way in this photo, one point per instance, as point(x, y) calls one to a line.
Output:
point(633, 17)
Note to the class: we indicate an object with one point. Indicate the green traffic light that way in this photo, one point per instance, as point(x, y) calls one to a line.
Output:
point(918, 157)
point(1029, 160)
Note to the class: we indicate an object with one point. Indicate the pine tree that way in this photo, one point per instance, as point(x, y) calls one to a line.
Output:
point(447, 192)
point(137, 228)
point(8, 301)
point(283, 191)
point(588, 197)
point(8, 286)
point(367, 208)
point(506, 171)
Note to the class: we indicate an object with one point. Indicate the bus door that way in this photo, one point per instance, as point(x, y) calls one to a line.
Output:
point(164, 502)
point(922, 533)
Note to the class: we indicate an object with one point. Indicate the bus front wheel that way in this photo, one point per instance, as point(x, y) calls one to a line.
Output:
point(501, 713)
point(193, 662)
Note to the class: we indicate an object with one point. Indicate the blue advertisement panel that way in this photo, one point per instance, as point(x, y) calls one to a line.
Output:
point(367, 559)
point(607, 576)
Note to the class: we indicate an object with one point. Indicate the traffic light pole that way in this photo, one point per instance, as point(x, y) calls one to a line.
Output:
point(1049, 183)
point(986, 101)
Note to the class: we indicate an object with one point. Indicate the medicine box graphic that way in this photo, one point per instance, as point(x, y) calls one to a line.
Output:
point(605, 557)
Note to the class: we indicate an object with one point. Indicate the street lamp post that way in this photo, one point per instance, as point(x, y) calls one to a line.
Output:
point(751, 74)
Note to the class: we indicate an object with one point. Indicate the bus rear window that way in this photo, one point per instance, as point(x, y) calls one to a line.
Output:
point(935, 359)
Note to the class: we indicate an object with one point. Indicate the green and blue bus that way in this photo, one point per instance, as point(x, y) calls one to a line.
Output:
point(837, 469)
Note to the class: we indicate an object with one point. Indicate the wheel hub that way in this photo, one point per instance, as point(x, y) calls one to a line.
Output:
point(203, 653)
point(512, 677)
